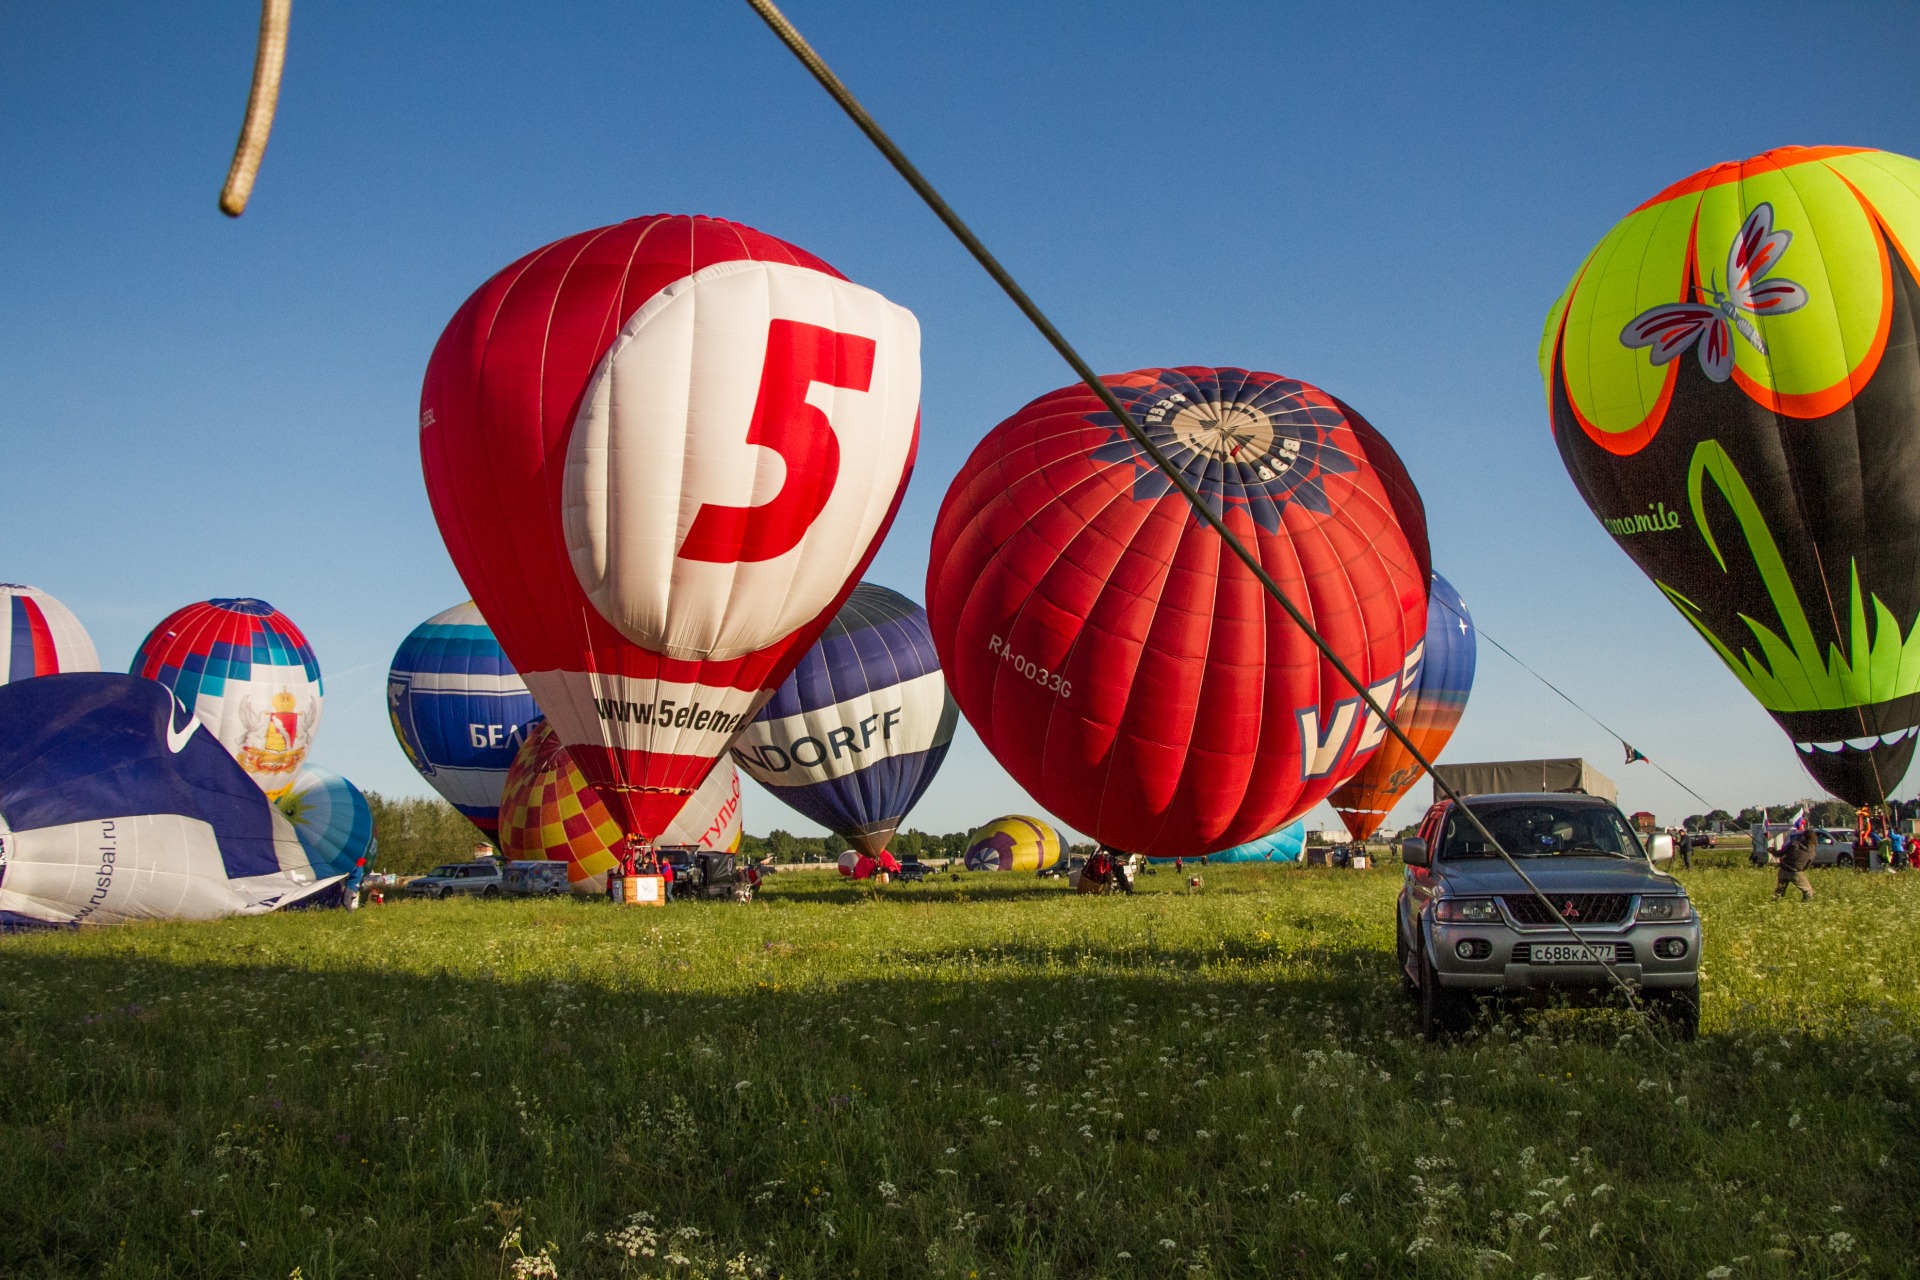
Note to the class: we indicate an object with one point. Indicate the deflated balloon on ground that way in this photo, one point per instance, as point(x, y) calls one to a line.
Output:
point(117, 804)
point(1014, 843)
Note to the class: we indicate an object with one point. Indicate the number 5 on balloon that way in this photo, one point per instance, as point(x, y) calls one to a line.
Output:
point(798, 355)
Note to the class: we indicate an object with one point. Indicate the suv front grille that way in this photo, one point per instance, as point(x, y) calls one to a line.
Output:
point(1578, 908)
point(1622, 952)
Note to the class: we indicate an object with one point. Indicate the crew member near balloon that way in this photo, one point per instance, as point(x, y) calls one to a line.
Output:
point(660, 454)
point(1734, 382)
point(1120, 662)
point(1795, 858)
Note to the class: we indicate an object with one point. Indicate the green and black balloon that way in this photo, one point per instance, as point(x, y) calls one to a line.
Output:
point(1734, 380)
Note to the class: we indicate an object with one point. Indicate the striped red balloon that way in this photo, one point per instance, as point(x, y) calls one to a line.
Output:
point(1114, 656)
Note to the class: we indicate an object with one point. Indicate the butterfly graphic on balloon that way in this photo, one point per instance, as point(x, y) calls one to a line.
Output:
point(1708, 327)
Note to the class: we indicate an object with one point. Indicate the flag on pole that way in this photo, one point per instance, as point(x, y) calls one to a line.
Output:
point(1795, 825)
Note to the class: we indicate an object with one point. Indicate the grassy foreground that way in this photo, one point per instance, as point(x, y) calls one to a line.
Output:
point(989, 1078)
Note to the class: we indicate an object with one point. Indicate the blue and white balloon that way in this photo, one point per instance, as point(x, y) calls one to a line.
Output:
point(854, 736)
point(333, 821)
point(116, 804)
point(460, 711)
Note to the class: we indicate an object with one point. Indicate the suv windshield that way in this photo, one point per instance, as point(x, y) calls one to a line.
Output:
point(1540, 829)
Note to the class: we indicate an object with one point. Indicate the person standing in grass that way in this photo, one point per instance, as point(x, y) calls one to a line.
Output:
point(1684, 847)
point(1794, 861)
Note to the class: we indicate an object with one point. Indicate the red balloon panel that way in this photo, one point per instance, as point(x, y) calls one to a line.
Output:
point(1114, 655)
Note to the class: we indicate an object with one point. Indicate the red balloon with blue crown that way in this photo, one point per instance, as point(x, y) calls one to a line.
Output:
point(1116, 657)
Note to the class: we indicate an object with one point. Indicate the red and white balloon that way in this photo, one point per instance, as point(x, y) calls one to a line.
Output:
point(661, 454)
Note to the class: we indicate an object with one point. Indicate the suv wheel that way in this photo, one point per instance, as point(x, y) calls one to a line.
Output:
point(491, 891)
point(1442, 1012)
point(1402, 958)
point(1679, 1008)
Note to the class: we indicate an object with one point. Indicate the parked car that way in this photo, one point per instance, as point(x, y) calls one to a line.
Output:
point(1468, 925)
point(1833, 846)
point(535, 879)
point(481, 878)
point(913, 871)
point(714, 875)
point(681, 857)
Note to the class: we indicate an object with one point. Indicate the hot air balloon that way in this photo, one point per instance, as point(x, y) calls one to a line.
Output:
point(549, 811)
point(1114, 656)
point(857, 865)
point(661, 454)
point(854, 736)
point(1429, 711)
point(1734, 382)
point(333, 822)
point(248, 674)
point(39, 636)
point(1014, 843)
point(460, 710)
point(1284, 845)
point(117, 805)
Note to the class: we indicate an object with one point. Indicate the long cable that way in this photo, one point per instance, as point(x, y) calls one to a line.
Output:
point(1596, 719)
point(798, 46)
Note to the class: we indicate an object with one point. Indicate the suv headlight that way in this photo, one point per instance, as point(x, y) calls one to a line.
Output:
point(1674, 907)
point(1475, 910)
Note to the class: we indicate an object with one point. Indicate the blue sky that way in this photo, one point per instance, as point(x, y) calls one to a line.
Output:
point(1382, 200)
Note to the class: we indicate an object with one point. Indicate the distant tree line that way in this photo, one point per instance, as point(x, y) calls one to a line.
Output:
point(418, 833)
point(1820, 813)
point(783, 846)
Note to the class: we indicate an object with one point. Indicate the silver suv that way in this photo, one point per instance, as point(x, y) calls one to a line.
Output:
point(1469, 926)
point(480, 879)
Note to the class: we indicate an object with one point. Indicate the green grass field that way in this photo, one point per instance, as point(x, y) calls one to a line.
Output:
point(983, 1078)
